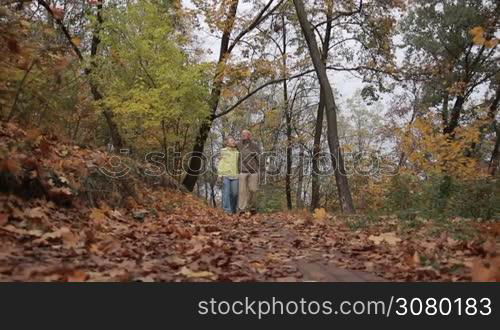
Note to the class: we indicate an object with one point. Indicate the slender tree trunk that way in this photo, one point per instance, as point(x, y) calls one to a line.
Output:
point(315, 185)
point(288, 119)
point(483, 129)
point(455, 115)
point(206, 191)
point(196, 160)
point(495, 154)
point(414, 114)
point(300, 179)
point(107, 113)
point(445, 108)
point(344, 191)
point(77, 128)
point(318, 130)
point(164, 146)
point(212, 189)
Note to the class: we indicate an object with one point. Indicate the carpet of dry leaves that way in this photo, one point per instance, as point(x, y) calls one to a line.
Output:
point(164, 235)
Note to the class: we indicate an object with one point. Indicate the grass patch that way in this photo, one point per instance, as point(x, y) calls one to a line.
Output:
point(459, 229)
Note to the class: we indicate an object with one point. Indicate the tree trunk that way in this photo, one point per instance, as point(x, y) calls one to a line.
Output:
point(495, 154)
point(108, 114)
point(300, 179)
point(455, 115)
point(318, 129)
point(315, 185)
point(344, 191)
point(206, 191)
point(212, 193)
point(444, 115)
point(288, 119)
point(195, 161)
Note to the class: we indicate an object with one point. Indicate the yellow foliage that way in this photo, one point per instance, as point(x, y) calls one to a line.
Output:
point(432, 152)
point(478, 38)
point(319, 214)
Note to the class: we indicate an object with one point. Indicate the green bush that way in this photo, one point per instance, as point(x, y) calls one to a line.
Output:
point(270, 198)
point(440, 197)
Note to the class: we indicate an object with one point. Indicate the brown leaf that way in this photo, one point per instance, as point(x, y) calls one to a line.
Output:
point(58, 12)
point(97, 216)
point(77, 276)
point(191, 274)
point(4, 219)
point(35, 213)
point(416, 259)
point(389, 237)
point(486, 270)
point(33, 134)
point(175, 261)
point(10, 165)
point(45, 148)
point(13, 229)
point(13, 45)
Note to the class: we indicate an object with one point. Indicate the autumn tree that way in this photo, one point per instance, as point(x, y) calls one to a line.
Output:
point(450, 45)
point(333, 140)
point(157, 90)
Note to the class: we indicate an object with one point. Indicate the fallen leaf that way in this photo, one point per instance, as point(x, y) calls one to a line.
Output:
point(191, 274)
point(35, 213)
point(97, 216)
point(389, 237)
point(4, 219)
point(319, 214)
point(486, 270)
point(416, 259)
point(77, 276)
point(10, 165)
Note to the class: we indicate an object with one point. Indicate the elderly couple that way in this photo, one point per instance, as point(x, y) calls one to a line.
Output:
point(239, 168)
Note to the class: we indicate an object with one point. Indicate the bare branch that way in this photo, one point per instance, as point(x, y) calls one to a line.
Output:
point(261, 16)
point(271, 82)
point(298, 75)
point(63, 28)
point(342, 14)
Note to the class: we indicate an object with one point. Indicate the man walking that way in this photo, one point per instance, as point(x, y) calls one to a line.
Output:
point(251, 166)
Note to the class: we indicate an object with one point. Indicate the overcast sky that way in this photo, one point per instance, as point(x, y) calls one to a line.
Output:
point(344, 82)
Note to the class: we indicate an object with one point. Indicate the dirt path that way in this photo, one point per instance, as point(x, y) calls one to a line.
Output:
point(306, 258)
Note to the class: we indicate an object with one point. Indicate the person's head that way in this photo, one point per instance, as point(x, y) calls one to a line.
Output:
point(231, 142)
point(246, 135)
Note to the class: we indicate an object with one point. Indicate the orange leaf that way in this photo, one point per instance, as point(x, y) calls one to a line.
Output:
point(77, 276)
point(58, 12)
point(488, 271)
point(11, 166)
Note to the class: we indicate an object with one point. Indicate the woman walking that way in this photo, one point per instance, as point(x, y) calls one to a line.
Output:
point(229, 169)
